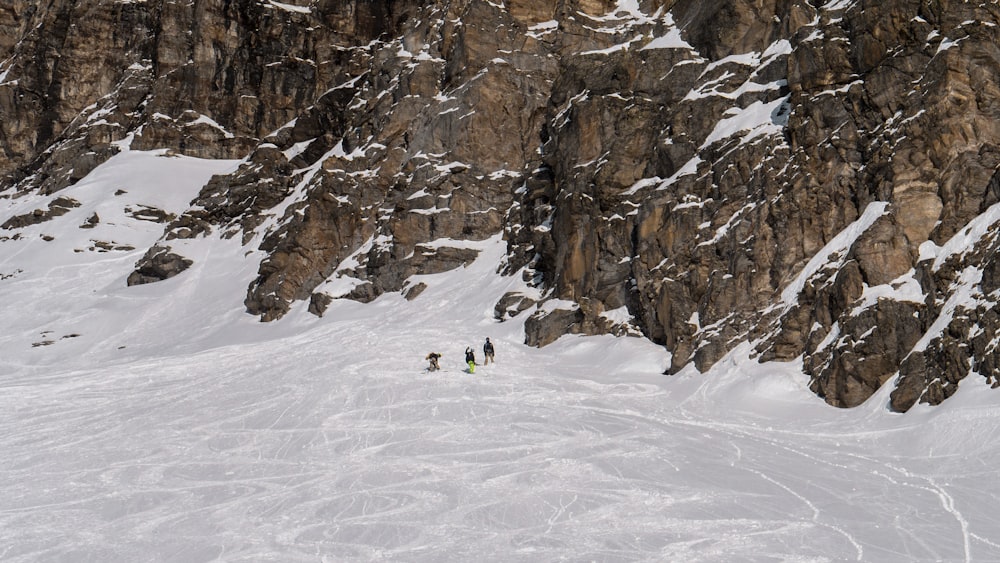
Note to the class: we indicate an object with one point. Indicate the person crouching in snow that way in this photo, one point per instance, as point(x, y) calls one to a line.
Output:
point(470, 358)
point(488, 353)
point(433, 357)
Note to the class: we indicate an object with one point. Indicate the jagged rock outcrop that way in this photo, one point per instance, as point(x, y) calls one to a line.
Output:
point(158, 264)
point(819, 179)
point(56, 208)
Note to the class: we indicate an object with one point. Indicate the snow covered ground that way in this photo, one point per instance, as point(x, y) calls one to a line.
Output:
point(161, 423)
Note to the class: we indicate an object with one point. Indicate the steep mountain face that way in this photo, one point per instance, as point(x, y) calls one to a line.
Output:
point(819, 179)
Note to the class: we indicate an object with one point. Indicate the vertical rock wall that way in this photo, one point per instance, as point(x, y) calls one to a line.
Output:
point(818, 179)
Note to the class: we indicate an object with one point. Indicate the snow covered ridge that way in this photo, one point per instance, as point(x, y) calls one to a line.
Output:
point(763, 177)
point(288, 7)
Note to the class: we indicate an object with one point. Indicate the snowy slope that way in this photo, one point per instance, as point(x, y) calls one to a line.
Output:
point(161, 423)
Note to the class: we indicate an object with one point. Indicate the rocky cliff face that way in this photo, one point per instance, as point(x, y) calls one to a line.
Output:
point(817, 178)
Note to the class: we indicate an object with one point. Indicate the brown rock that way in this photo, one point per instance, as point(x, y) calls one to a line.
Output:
point(158, 264)
point(691, 184)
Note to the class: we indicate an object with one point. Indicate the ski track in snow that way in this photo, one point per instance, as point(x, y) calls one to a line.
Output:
point(181, 462)
point(175, 428)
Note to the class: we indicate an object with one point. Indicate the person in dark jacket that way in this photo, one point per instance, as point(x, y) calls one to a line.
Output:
point(470, 358)
point(488, 353)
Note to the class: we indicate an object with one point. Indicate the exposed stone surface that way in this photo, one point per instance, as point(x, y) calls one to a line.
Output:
point(158, 264)
point(781, 172)
point(91, 222)
point(56, 208)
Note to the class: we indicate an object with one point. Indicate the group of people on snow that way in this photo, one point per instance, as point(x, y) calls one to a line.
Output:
point(470, 357)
